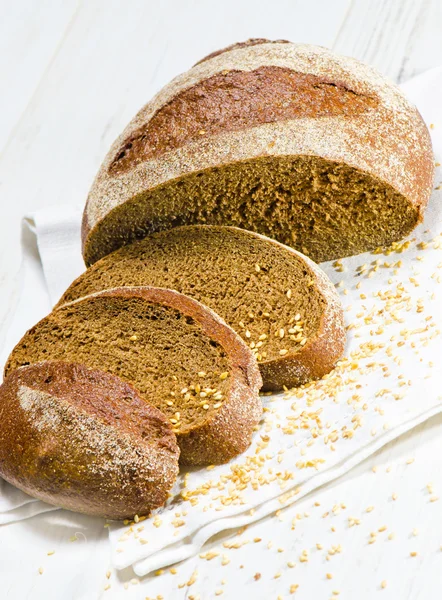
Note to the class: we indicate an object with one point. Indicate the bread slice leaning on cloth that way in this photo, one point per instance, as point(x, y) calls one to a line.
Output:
point(180, 356)
point(85, 440)
point(282, 304)
point(316, 150)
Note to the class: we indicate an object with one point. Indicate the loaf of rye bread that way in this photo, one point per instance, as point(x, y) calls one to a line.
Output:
point(180, 356)
point(316, 150)
point(282, 305)
point(84, 440)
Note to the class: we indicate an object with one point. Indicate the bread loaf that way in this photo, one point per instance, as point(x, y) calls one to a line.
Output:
point(180, 356)
point(84, 440)
point(280, 303)
point(292, 141)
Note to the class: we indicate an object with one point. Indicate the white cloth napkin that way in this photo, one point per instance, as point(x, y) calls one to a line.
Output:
point(390, 382)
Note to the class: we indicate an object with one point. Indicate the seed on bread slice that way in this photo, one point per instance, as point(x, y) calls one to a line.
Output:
point(177, 353)
point(281, 304)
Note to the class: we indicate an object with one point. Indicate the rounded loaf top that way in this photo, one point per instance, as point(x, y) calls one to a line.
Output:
point(260, 102)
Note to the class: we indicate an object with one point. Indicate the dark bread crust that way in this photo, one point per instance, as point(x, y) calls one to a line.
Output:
point(235, 100)
point(227, 431)
point(84, 440)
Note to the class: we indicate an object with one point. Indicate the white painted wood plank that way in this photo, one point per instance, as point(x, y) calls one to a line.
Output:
point(29, 34)
point(379, 32)
point(424, 49)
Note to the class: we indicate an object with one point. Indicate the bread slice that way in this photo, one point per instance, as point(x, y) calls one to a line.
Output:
point(313, 149)
point(84, 440)
point(177, 353)
point(281, 304)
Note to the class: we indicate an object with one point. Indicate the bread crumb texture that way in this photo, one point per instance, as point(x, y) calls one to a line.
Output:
point(277, 300)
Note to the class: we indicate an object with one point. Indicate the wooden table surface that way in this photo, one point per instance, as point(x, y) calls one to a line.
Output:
point(74, 72)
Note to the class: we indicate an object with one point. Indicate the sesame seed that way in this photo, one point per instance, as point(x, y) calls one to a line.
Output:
point(283, 352)
point(193, 578)
point(257, 268)
point(383, 584)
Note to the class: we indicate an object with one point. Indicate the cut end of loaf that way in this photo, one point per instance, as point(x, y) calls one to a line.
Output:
point(325, 210)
